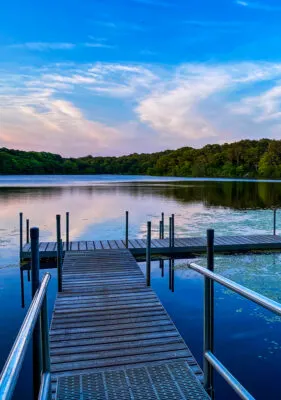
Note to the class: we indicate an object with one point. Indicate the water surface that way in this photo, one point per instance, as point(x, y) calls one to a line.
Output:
point(247, 338)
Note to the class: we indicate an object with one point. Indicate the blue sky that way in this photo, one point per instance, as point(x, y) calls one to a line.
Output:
point(117, 77)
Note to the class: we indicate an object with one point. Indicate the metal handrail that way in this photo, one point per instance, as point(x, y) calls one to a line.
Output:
point(12, 367)
point(242, 290)
point(209, 357)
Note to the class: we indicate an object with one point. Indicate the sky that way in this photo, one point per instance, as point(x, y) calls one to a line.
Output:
point(113, 77)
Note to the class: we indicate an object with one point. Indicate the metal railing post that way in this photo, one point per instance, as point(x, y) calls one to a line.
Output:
point(173, 230)
point(163, 227)
point(27, 231)
point(274, 221)
point(148, 254)
point(35, 265)
point(209, 316)
point(21, 235)
point(46, 368)
point(67, 230)
point(59, 253)
point(127, 229)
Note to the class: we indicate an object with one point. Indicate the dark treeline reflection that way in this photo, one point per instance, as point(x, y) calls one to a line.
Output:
point(231, 194)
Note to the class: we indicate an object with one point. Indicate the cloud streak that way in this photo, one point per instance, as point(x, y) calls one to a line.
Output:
point(51, 108)
point(43, 46)
point(257, 5)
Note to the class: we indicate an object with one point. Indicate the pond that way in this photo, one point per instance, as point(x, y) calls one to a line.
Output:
point(247, 338)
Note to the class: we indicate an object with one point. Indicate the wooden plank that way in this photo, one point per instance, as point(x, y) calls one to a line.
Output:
point(107, 317)
point(82, 245)
point(105, 244)
point(98, 245)
point(51, 246)
point(113, 244)
point(74, 246)
point(120, 244)
point(43, 246)
point(90, 245)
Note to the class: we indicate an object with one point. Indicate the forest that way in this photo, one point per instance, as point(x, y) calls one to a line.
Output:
point(243, 159)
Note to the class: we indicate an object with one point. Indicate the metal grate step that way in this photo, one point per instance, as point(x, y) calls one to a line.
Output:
point(168, 381)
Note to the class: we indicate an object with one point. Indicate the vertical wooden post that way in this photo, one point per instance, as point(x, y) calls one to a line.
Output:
point(173, 230)
point(148, 254)
point(170, 231)
point(160, 229)
point(59, 253)
point(27, 231)
point(209, 316)
point(67, 230)
point(21, 235)
point(163, 226)
point(127, 229)
point(274, 221)
point(35, 265)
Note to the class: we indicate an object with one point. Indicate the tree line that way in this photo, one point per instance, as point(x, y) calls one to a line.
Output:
point(243, 159)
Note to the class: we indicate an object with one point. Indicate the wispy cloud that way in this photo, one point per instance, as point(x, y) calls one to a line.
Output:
point(193, 104)
point(258, 5)
point(213, 24)
point(99, 45)
point(48, 46)
point(43, 46)
point(122, 25)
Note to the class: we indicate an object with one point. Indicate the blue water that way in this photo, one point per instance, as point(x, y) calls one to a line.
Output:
point(247, 338)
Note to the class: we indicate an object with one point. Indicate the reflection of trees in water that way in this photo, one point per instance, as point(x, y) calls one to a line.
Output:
point(236, 195)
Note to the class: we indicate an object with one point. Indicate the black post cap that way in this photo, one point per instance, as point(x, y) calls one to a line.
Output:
point(34, 233)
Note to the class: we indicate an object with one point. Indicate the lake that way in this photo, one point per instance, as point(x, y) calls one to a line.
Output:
point(247, 338)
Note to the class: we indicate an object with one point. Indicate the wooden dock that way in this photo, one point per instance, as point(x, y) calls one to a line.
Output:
point(161, 246)
point(111, 337)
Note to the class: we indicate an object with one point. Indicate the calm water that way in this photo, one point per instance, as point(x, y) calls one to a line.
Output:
point(247, 338)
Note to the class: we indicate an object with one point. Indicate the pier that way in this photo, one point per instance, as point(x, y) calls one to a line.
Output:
point(110, 337)
point(110, 329)
point(231, 244)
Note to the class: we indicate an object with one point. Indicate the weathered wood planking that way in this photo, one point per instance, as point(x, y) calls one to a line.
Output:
point(106, 318)
point(161, 246)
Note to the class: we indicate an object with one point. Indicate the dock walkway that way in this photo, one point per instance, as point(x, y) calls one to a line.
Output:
point(111, 337)
point(161, 246)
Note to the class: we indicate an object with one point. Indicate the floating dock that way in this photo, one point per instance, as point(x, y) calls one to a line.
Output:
point(162, 246)
point(111, 337)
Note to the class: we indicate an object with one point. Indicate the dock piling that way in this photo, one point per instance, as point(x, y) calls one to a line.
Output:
point(274, 221)
point(173, 230)
point(160, 229)
point(127, 229)
point(35, 266)
point(170, 231)
point(27, 231)
point(148, 254)
point(163, 226)
point(21, 235)
point(209, 316)
point(67, 230)
point(59, 259)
